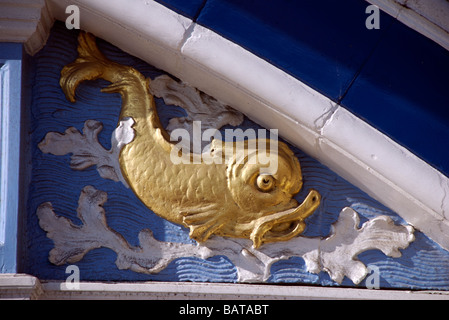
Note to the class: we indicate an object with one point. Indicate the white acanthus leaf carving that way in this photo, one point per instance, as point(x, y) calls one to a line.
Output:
point(336, 254)
point(87, 151)
point(211, 113)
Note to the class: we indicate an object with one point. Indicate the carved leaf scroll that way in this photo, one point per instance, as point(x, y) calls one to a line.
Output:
point(87, 151)
point(336, 254)
point(72, 242)
point(199, 106)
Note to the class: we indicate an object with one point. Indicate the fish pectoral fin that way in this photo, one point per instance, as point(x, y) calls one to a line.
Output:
point(202, 222)
point(203, 232)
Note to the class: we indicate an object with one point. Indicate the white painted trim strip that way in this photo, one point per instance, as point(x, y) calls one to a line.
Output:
point(311, 121)
point(22, 286)
point(19, 287)
point(221, 291)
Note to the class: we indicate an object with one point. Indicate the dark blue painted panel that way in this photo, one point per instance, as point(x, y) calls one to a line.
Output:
point(190, 8)
point(10, 50)
point(404, 91)
point(322, 43)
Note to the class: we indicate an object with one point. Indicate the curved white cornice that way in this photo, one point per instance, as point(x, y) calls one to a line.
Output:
point(269, 96)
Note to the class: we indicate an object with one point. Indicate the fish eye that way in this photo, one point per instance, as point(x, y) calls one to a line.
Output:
point(265, 182)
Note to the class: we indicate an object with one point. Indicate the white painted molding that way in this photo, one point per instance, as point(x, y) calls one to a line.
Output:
point(19, 287)
point(221, 291)
point(29, 21)
point(269, 96)
point(26, 21)
point(26, 287)
point(148, 30)
point(210, 291)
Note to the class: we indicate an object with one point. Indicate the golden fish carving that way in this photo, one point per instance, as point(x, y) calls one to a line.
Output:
point(231, 199)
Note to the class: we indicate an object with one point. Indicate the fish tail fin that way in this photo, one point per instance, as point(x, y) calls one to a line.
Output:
point(91, 64)
point(137, 101)
point(88, 49)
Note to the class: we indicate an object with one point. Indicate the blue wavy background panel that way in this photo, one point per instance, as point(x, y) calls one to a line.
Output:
point(424, 265)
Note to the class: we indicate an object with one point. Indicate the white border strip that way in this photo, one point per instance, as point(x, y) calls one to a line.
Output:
point(223, 291)
point(23, 286)
point(350, 147)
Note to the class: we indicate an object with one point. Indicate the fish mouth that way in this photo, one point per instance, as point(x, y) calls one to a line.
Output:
point(284, 225)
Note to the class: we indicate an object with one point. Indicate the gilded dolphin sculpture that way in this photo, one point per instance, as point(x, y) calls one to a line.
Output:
point(231, 199)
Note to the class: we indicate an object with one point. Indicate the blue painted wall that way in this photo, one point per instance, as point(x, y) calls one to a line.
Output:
point(394, 78)
point(424, 265)
point(10, 133)
point(10, 50)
